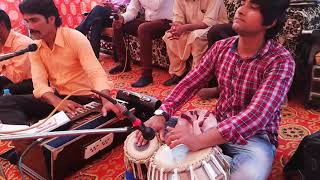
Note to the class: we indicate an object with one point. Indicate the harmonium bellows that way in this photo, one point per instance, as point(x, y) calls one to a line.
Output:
point(56, 158)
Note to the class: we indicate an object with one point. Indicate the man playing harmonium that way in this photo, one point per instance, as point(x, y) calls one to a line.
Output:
point(63, 63)
point(254, 74)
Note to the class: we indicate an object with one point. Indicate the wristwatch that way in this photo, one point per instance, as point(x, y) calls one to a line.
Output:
point(160, 112)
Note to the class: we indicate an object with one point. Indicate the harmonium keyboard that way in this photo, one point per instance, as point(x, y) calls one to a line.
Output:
point(56, 158)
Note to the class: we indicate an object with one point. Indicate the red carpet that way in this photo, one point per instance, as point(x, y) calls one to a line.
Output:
point(297, 122)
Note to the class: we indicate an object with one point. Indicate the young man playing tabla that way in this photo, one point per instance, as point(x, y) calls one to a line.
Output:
point(254, 74)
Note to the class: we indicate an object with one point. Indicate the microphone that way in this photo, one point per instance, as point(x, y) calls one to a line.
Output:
point(147, 132)
point(315, 33)
point(30, 48)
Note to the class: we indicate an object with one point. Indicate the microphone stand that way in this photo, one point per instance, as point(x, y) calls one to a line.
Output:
point(6, 56)
point(30, 48)
point(66, 133)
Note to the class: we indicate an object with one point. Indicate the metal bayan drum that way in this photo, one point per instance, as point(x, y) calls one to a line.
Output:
point(204, 164)
point(137, 158)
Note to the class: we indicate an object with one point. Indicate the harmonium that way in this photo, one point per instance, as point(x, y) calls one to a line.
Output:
point(56, 158)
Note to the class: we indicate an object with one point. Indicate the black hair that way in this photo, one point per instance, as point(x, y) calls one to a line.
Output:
point(272, 10)
point(46, 8)
point(5, 19)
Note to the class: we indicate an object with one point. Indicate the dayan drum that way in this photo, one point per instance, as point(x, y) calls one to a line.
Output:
point(205, 164)
point(137, 158)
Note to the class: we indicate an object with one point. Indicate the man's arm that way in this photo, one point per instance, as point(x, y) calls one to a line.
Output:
point(67, 106)
point(238, 128)
point(179, 25)
point(216, 13)
point(182, 135)
point(39, 75)
point(132, 11)
point(95, 71)
point(107, 105)
point(184, 91)
point(192, 83)
point(177, 30)
point(192, 27)
point(50, 98)
point(90, 63)
point(178, 12)
point(41, 88)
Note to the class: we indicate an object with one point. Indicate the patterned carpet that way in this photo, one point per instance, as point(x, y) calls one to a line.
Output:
point(297, 122)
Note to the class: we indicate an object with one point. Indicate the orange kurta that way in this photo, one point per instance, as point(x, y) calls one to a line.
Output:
point(17, 68)
point(70, 65)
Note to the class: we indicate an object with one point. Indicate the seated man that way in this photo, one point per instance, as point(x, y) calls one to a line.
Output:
point(99, 18)
point(254, 74)
point(63, 63)
point(15, 73)
point(158, 14)
point(188, 33)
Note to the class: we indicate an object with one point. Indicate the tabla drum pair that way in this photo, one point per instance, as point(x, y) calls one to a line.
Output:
point(154, 163)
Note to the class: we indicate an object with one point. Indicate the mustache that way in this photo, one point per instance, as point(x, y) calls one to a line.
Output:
point(34, 31)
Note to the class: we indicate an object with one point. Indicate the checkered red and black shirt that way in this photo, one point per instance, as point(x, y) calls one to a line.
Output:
point(251, 90)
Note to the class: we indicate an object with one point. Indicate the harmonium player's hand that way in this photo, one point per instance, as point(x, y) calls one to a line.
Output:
point(68, 106)
point(108, 106)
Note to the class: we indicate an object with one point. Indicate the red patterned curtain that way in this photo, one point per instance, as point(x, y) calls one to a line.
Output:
point(70, 11)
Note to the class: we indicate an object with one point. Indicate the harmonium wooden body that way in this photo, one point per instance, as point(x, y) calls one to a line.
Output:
point(56, 158)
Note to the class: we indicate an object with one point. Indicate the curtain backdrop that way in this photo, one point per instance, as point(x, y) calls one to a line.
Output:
point(70, 11)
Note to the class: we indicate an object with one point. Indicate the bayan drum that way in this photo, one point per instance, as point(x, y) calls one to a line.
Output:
point(137, 158)
point(204, 164)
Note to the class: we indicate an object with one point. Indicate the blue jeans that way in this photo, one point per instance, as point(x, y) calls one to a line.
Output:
point(96, 20)
point(252, 161)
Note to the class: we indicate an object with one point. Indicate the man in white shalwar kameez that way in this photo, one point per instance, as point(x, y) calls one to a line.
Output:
point(188, 34)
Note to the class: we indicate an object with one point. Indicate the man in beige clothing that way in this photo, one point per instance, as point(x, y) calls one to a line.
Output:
point(188, 34)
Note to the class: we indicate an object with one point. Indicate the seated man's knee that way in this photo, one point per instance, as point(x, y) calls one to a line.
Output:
point(143, 30)
point(254, 165)
point(100, 10)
